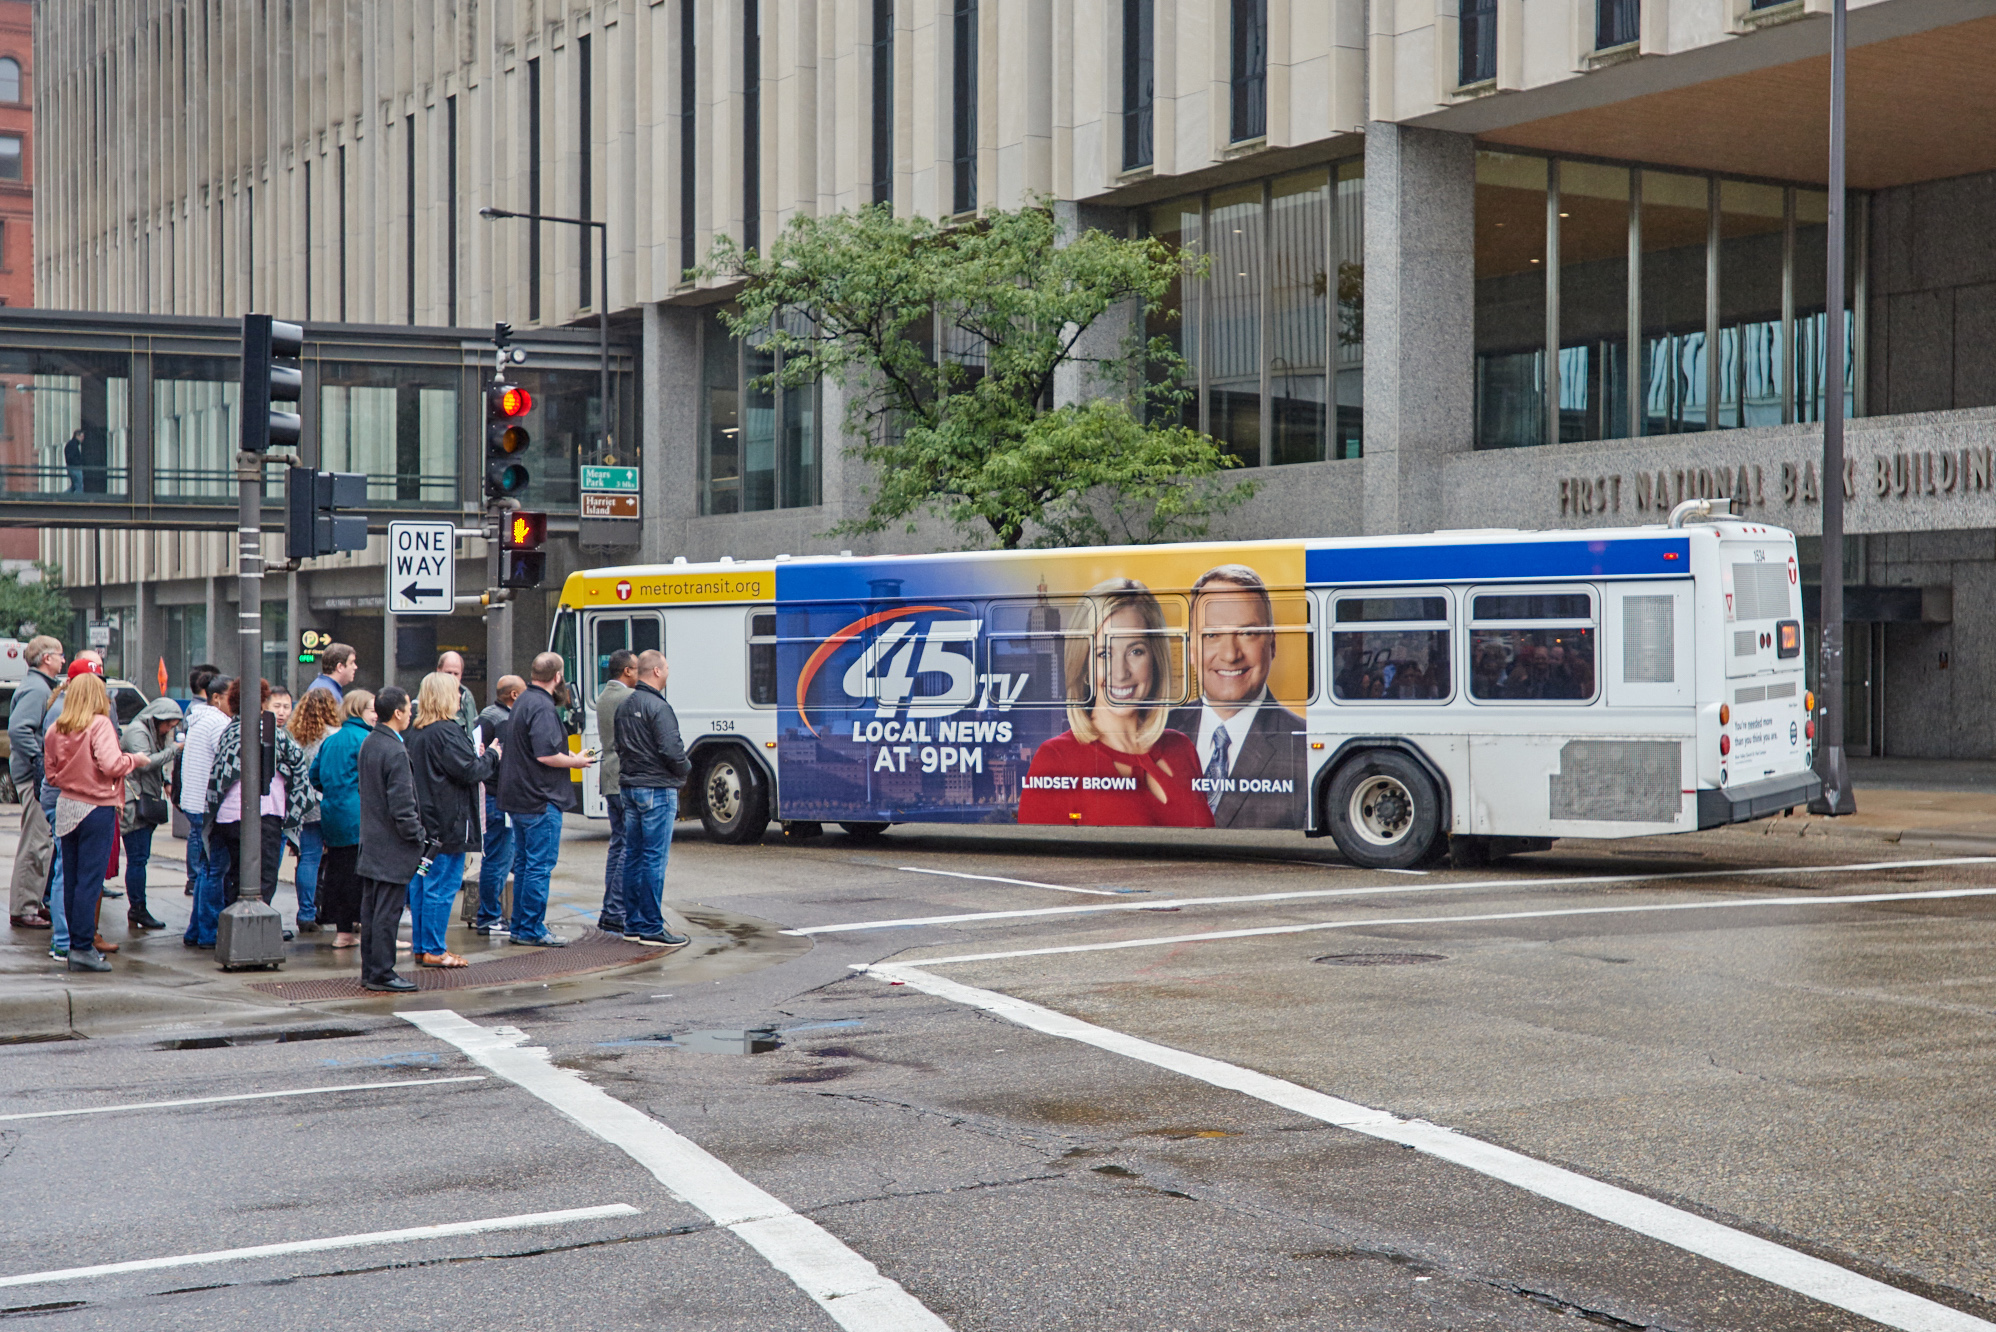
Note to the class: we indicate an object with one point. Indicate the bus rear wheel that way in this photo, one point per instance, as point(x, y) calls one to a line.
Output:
point(734, 802)
point(1384, 811)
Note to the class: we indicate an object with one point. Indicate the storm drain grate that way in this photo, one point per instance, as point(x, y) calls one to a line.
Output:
point(595, 951)
point(1378, 959)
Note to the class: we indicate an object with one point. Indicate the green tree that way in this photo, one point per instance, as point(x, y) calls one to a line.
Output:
point(42, 604)
point(969, 431)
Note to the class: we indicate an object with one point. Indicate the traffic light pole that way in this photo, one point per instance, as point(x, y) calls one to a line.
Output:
point(604, 440)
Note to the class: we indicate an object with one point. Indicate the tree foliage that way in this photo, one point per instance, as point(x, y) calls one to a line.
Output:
point(42, 604)
point(950, 340)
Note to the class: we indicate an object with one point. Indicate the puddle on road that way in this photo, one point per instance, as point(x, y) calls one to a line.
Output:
point(278, 1037)
point(724, 1041)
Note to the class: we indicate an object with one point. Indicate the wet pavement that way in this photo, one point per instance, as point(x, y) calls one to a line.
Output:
point(1708, 1022)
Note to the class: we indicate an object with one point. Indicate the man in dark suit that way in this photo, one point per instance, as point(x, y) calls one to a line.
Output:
point(392, 840)
point(1251, 749)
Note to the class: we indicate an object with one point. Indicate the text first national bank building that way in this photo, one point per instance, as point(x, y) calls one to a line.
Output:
point(1475, 263)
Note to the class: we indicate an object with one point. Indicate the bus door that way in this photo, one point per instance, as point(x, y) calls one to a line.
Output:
point(604, 632)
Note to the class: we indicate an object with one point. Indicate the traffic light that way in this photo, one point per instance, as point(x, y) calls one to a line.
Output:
point(522, 560)
point(506, 406)
point(267, 343)
point(314, 524)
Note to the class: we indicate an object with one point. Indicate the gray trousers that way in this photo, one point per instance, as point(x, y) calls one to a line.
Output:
point(33, 854)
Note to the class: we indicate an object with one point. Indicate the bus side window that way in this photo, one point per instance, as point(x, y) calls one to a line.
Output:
point(1528, 645)
point(762, 659)
point(1391, 646)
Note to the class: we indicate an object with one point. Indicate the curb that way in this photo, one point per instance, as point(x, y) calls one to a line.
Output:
point(61, 1012)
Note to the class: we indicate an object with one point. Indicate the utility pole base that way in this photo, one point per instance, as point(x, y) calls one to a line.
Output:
point(250, 933)
point(1837, 797)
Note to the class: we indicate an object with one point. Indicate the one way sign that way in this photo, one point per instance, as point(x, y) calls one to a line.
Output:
point(422, 568)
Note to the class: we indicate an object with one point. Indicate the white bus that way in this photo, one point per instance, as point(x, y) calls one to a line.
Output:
point(1474, 693)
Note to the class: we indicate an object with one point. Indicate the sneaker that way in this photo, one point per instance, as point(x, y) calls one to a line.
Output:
point(663, 939)
point(541, 941)
point(58, 953)
point(488, 931)
point(88, 959)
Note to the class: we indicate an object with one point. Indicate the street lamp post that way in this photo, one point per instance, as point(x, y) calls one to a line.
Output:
point(1831, 764)
point(602, 293)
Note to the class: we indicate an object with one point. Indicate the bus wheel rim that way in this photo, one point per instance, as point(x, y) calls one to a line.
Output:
point(1382, 810)
point(724, 792)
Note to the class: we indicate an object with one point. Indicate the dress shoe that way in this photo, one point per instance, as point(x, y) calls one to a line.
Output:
point(289, 936)
point(104, 945)
point(663, 939)
point(308, 927)
point(144, 920)
point(393, 985)
point(87, 959)
point(113, 893)
point(30, 922)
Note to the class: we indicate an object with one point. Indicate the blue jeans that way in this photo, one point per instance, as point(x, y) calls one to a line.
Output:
point(537, 845)
point(611, 917)
point(311, 849)
point(205, 871)
point(430, 898)
point(649, 813)
point(495, 865)
point(76, 488)
point(89, 847)
point(58, 897)
point(138, 853)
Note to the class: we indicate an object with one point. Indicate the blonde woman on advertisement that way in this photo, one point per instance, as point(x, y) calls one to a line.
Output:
point(1118, 764)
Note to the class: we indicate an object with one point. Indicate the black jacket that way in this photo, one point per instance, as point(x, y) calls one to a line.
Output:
point(647, 740)
point(391, 828)
point(447, 771)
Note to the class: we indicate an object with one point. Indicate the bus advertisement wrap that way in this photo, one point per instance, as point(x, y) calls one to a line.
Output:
point(1160, 689)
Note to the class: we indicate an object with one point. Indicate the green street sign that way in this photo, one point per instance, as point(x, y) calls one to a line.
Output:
point(610, 478)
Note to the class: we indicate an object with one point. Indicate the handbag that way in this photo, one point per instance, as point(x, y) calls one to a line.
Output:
point(154, 810)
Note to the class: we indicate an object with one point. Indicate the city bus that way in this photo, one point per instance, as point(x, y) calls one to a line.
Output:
point(1469, 693)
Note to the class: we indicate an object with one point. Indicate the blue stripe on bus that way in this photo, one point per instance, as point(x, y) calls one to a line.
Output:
point(1597, 558)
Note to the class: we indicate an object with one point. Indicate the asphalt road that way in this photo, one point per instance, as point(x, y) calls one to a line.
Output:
point(1694, 1026)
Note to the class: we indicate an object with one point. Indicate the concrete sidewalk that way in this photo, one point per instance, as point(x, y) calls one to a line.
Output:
point(157, 981)
point(1946, 804)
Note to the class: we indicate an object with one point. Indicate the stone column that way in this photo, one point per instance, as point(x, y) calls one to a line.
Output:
point(1078, 381)
point(1420, 319)
point(671, 426)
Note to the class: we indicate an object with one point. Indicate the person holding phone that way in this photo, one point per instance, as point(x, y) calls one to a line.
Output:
point(535, 788)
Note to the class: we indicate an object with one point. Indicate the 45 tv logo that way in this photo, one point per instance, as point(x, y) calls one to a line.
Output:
point(907, 665)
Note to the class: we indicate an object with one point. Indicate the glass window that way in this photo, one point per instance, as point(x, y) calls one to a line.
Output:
point(963, 69)
point(1027, 646)
point(1299, 223)
point(194, 427)
point(10, 79)
point(562, 642)
point(1233, 374)
point(1530, 645)
point(1675, 222)
point(1139, 80)
point(1180, 225)
point(398, 424)
point(10, 157)
point(1250, 70)
point(1401, 653)
point(1510, 300)
point(762, 659)
point(1349, 239)
point(1752, 238)
point(883, 102)
point(1476, 37)
point(68, 423)
point(761, 448)
point(1616, 23)
point(626, 633)
point(1593, 301)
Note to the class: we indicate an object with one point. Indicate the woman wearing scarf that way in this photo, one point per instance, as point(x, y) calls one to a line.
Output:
point(281, 806)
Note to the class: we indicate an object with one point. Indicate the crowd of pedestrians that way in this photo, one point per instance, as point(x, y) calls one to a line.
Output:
point(382, 798)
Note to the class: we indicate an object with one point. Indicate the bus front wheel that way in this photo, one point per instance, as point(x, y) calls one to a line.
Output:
point(1384, 810)
point(734, 802)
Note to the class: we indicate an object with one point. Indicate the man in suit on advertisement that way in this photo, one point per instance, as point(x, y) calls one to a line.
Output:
point(1251, 748)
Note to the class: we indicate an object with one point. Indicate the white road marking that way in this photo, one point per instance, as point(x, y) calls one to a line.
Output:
point(847, 1286)
point(521, 1222)
point(1855, 898)
point(1813, 1277)
point(1304, 894)
point(245, 1096)
point(1023, 883)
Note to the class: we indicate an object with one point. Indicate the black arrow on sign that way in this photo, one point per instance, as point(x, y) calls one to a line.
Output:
point(414, 593)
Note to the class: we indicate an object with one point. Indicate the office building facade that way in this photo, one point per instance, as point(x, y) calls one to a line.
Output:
point(1491, 263)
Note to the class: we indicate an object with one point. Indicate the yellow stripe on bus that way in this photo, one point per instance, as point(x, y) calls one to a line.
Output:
point(651, 589)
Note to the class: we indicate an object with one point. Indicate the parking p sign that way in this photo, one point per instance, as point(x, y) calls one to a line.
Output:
point(422, 568)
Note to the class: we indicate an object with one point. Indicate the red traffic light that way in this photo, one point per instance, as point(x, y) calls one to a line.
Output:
point(510, 400)
point(524, 530)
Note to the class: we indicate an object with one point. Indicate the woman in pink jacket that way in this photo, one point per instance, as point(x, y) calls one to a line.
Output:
point(87, 767)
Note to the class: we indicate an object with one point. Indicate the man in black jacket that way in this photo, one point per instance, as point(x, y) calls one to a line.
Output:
point(392, 840)
point(652, 767)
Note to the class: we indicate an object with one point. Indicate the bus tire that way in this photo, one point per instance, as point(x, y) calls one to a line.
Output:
point(734, 799)
point(1384, 811)
point(865, 832)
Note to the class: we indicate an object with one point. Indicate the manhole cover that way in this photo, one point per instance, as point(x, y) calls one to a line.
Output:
point(1378, 959)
